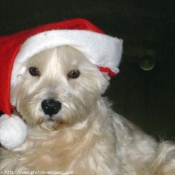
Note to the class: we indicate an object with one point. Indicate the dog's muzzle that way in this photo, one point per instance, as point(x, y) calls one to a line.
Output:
point(51, 106)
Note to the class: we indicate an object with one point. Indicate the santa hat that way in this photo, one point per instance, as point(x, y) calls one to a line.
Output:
point(102, 50)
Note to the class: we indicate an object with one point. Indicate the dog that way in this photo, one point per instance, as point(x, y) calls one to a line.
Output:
point(72, 128)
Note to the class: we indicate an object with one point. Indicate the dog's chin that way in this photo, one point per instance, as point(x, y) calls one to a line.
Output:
point(52, 123)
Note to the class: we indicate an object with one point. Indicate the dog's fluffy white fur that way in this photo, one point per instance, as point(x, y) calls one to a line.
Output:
point(85, 137)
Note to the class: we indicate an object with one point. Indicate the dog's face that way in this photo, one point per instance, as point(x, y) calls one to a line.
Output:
point(59, 87)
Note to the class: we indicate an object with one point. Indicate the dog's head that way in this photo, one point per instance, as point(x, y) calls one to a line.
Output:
point(59, 87)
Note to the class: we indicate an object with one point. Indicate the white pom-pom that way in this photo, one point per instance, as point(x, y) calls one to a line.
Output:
point(13, 131)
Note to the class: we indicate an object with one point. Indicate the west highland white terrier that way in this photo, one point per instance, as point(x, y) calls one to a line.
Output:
point(72, 128)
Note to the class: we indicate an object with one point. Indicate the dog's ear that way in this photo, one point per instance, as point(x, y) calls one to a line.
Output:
point(105, 78)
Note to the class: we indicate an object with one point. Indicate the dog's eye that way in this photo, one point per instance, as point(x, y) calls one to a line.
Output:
point(34, 71)
point(73, 74)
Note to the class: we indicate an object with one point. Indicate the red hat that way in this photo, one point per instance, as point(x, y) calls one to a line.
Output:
point(102, 50)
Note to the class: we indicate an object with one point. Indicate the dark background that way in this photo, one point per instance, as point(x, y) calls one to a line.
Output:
point(146, 98)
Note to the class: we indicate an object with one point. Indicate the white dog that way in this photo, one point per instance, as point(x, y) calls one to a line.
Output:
point(71, 128)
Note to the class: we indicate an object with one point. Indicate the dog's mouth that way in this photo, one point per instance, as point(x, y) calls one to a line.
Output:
point(53, 122)
point(50, 120)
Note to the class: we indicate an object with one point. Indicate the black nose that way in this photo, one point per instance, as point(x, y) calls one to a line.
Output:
point(50, 106)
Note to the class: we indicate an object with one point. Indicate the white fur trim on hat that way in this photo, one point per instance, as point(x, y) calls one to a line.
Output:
point(102, 50)
point(13, 131)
